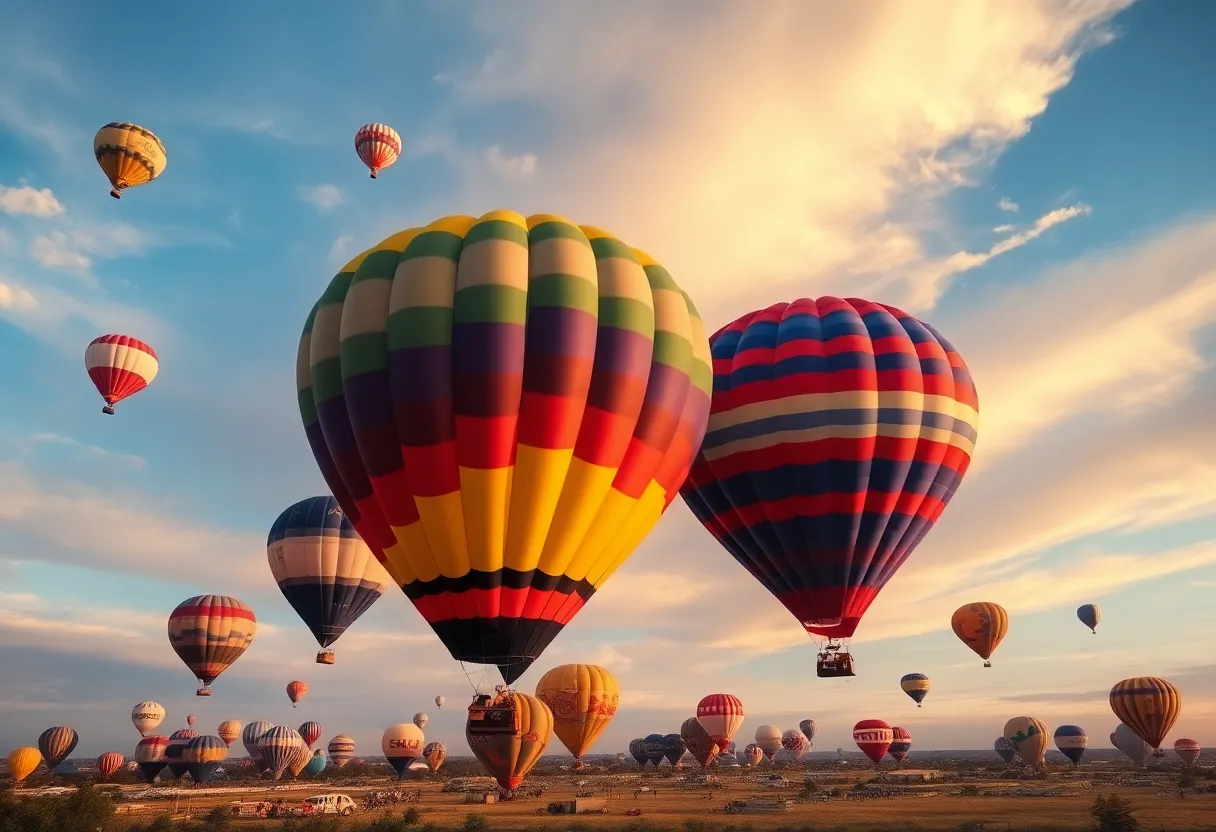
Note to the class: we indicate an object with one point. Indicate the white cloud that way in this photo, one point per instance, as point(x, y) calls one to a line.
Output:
point(15, 298)
point(510, 167)
point(690, 149)
point(51, 251)
point(339, 249)
point(1002, 229)
point(322, 197)
point(1007, 204)
point(29, 201)
point(131, 460)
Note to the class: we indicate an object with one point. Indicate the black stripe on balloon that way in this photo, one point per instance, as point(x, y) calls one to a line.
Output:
point(500, 579)
point(510, 643)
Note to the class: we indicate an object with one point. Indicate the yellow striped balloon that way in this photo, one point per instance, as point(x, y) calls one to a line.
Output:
point(128, 155)
point(583, 698)
point(1148, 705)
point(22, 762)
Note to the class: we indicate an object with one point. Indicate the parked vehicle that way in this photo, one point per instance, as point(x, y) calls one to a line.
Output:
point(330, 804)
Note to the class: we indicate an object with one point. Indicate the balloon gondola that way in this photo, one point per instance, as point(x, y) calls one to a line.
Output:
point(834, 661)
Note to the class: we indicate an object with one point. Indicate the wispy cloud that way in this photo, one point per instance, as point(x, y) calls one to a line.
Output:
point(15, 297)
point(339, 249)
point(1007, 204)
point(1002, 229)
point(29, 201)
point(322, 197)
point(510, 167)
point(131, 460)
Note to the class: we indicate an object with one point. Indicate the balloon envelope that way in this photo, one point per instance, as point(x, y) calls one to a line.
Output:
point(509, 750)
point(296, 691)
point(1148, 705)
point(807, 727)
point(674, 748)
point(146, 716)
point(434, 754)
point(203, 756)
point(504, 407)
point(901, 744)
point(637, 748)
point(323, 568)
point(22, 762)
point(310, 732)
point(119, 366)
point(768, 737)
point(129, 155)
point(1029, 738)
point(700, 743)
point(839, 430)
point(916, 685)
point(795, 743)
point(250, 736)
point(109, 763)
point(1072, 742)
point(229, 731)
point(1188, 751)
point(209, 633)
point(316, 764)
point(150, 756)
point(583, 699)
point(56, 744)
point(378, 146)
point(1090, 615)
point(341, 750)
point(1005, 749)
point(439, 701)
point(421, 719)
point(278, 747)
point(175, 751)
point(402, 744)
point(1130, 743)
point(873, 737)
point(721, 714)
point(753, 754)
point(980, 626)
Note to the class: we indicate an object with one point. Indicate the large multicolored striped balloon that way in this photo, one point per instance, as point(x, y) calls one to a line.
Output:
point(279, 746)
point(209, 633)
point(109, 763)
point(150, 756)
point(203, 756)
point(378, 146)
point(1148, 705)
point(838, 432)
point(250, 737)
point(310, 732)
point(721, 714)
point(56, 744)
point(119, 366)
point(504, 407)
point(901, 744)
point(916, 685)
point(323, 568)
point(176, 749)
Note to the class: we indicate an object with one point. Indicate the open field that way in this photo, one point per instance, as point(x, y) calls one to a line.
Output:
point(671, 807)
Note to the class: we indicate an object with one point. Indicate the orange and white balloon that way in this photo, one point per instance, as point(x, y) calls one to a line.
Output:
point(378, 146)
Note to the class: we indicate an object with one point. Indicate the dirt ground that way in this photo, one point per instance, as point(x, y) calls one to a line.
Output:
point(671, 806)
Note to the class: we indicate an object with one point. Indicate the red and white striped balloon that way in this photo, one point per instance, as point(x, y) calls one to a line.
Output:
point(720, 714)
point(109, 763)
point(378, 145)
point(119, 366)
point(1187, 750)
point(873, 737)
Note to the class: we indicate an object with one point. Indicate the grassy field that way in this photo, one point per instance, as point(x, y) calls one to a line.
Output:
point(671, 808)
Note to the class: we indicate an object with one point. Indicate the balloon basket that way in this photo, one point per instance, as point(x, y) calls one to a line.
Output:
point(108, 410)
point(987, 664)
point(114, 192)
point(203, 692)
point(325, 657)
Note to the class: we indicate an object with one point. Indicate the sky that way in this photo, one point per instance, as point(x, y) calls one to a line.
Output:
point(1035, 179)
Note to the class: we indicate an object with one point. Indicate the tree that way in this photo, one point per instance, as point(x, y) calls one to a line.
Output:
point(1113, 814)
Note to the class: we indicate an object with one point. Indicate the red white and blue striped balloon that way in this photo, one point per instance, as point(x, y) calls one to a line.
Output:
point(839, 429)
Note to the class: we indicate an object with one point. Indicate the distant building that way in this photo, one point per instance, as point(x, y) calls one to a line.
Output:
point(912, 775)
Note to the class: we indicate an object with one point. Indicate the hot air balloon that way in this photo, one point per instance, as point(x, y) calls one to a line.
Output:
point(839, 430)
point(209, 633)
point(119, 366)
point(341, 750)
point(698, 740)
point(250, 736)
point(873, 737)
point(203, 756)
point(296, 691)
point(1145, 704)
point(752, 754)
point(129, 155)
point(421, 719)
point(583, 699)
point(56, 744)
point(299, 760)
point(146, 716)
point(1029, 738)
point(402, 744)
point(439, 701)
point(981, 626)
point(191, 719)
point(840, 753)
point(901, 744)
point(175, 751)
point(916, 685)
point(795, 743)
point(22, 762)
point(1188, 751)
point(109, 763)
point(434, 754)
point(1090, 615)
point(655, 746)
point(1127, 741)
point(1072, 742)
point(323, 568)
point(310, 732)
point(1005, 749)
point(673, 748)
point(150, 756)
point(278, 747)
point(721, 714)
point(768, 737)
point(378, 146)
point(637, 748)
point(504, 408)
point(807, 727)
point(508, 734)
point(317, 764)
point(229, 731)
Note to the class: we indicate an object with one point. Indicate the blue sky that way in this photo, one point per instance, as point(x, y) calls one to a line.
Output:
point(810, 149)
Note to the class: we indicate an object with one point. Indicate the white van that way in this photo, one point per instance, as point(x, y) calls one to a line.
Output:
point(331, 804)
